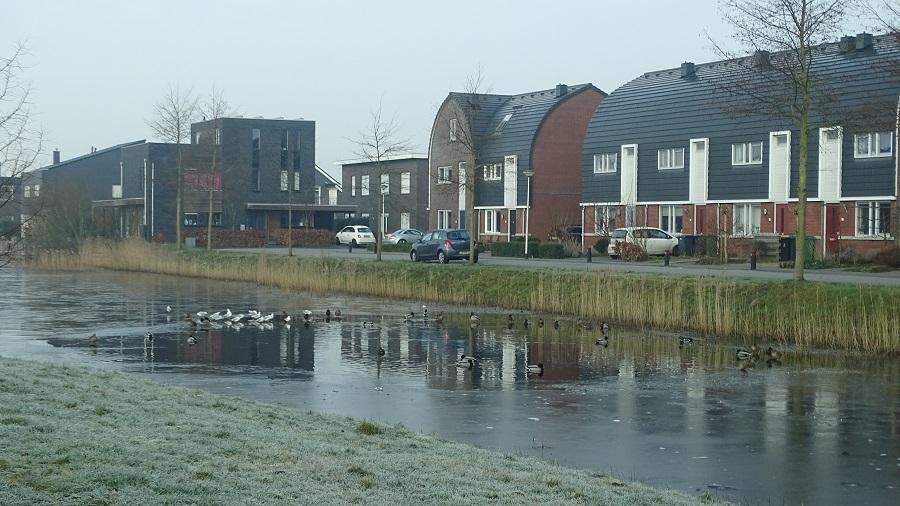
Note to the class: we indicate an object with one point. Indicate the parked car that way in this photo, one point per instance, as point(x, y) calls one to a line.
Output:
point(653, 240)
point(355, 235)
point(443, 246)
point(403, 236)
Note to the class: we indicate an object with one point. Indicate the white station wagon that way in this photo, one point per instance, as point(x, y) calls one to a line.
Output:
point(653, 240)
point(355, 235)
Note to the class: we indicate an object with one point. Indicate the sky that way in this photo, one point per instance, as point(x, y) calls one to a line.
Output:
point(97, 67)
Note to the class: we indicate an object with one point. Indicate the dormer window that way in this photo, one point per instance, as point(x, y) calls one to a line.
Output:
point(502, 124)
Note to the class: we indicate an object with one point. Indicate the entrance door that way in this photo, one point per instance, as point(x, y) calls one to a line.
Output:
point(699, 168)
point(779, 166)
point(512, 222)
point(830, 144)
point(832, 229)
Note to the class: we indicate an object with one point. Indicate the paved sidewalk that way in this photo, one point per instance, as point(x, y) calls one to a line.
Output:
point(677, 267)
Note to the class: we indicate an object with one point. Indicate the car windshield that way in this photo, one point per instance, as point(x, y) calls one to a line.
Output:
point(458, 235)
point(618, 234)
point(364, 230)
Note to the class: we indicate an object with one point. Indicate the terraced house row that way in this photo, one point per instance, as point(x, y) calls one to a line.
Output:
point(689, 150)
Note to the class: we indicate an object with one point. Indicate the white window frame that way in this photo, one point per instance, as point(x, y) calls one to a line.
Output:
point(751, 211)
point(492, 172)
point(196, 219)
point(385, 184)
point(454, 126)
point(285, 184)
point(218, 136)
point(500, 126)
point(36, 191)
point(605, 216)
point(665, 158)
point(296, 180)
point(384, 224)
point(364, 185)
point(873, 219)
point(742, 153)
point(27, 191)
point(492, 223)
point(444, 217)
point(444, 175)
point(404, 220)
point(352, 186)
point(606, 163)
point(873, 144)
point(404, 183)
point(669, 227)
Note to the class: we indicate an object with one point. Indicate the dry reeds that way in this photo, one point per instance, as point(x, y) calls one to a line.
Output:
point(808, 314)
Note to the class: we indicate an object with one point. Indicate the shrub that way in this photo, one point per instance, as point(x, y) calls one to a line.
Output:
point(761, 248)
point(889, 257)
point(601, 245)
point(510, 249)
point(707, 245)
point(308, 237)
point(551, 250)
point(390, 248)
point(229, 238)
point(630, 252)
point(368, 428)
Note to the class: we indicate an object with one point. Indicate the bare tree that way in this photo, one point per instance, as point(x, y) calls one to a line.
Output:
point(66, 219)
point(213, 109)
point(780, 80)
point(379, 143)
point(20, 145)
point(174, 113)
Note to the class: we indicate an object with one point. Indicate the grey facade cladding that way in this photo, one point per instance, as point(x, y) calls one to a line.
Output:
point(415, 202)
point(93, 174)
point(663, 110)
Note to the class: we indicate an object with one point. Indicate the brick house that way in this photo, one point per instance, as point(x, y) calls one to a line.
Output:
point(406, 198)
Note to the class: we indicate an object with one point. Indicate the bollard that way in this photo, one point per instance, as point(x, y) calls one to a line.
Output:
point(590, 255)
point(350, 246)
point(753, 261)
point(666, 259)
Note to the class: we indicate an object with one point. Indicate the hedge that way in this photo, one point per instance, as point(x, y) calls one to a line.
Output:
point(228, 238)
point(390, 248)
point(308, 237)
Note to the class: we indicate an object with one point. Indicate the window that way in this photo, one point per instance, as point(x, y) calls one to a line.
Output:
point(27, 191)
point(746, 153)
point(444, 175)
point(746, 219)
point(444, 218)
point(874, 145)
point(453, 126)
point(254, 144)
point(254, 179)
point(317, 195)
point(218, 136)
point(608, 162)
point(196, 137)
point(873, 219)
point(352, 186)
point(404, 220)
point(284, 149)
point(364, 185)
point(604, 219)
point(502, 124)
point(404, 183)
point(670, 219)
point(37, 191)
point(191, 219)
point(385, 184)
point(296, 180)
point(384, 224)
point(670, 158)
point(493, 171)
point(284, 181)
point(492, 221)
point(297, 152)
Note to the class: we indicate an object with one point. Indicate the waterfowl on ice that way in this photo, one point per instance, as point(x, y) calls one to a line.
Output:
point(148, 336)
point(92, 341)
point(540, 322)
point(474, 318)
point(466, 362)
point(772, 354)
point(556, 324)
point(191, 340)
point(603, 341)
point(743, 354)
point(604, 327)
point(381, 351)
point(535, 369)
point(168, 309)
point(685, 340)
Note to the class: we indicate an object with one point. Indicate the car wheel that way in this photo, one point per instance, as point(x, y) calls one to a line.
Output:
point(414, 256)
point(442, 258)
point(337, 240)
point(475, 260)
point(401, 241)
point(614, 256)
point(675, 251)
point(354, 244)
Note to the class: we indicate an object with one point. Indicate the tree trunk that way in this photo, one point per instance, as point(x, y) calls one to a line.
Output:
point(178, 199)
point(379, 233)
point(896, 213)
point(800, 245)
point(209, 221)
point(290, 235)
point(472, 224)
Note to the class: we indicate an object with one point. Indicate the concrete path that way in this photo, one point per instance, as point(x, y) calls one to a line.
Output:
point(677, 267)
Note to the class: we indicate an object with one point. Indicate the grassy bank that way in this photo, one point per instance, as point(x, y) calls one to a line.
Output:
point(72, 436)
point(810, 313)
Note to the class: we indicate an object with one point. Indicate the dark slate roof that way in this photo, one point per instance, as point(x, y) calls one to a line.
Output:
point(662, 108)
point(95, 153)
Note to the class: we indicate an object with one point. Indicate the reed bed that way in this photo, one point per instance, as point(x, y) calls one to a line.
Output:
point(810, 314)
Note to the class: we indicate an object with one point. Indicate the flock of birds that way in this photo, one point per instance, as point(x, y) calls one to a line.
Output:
point(205, 321)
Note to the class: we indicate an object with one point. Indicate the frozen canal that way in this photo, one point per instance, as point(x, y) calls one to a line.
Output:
point(820, 428)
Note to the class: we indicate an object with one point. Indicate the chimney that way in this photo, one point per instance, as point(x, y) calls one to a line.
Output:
point(847, 44)
point(56, 156)
point(687, 69)
point(761, 59)
point(863, 41)
point(562, 90)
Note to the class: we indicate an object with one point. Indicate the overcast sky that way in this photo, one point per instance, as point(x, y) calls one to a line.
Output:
point(97, 67)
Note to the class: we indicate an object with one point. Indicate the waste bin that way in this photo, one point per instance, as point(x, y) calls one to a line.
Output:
point(687, 245)
point(787, 248)
point(190, 242)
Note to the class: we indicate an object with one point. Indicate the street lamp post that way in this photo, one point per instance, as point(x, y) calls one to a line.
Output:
point(528, 174)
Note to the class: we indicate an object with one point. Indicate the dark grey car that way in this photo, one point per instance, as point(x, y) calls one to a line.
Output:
point(442, 245)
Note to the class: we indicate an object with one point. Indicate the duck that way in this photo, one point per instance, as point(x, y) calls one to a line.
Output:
point(227, 313)
point(772, 354)
point(368, 324)
point(682, 340)
point(584, 324)
point(201, 314)
point(425, 310)
point(556, 324)
point(337, 313)
point(168, 309)
point(466, 362)
point(149, 336)
point(381, 351)
point(603, 341)
point(409, 316)
point(540, 322)
point(604, 327)
point(474, 318)
point(439, 318)
point(509, 318)
point(215, 316)
point(535, 369)
point(743, 354)
point(285, 317)
point(188, 317)
point(526, 323)
point(191, 340)
point(307, 314)
point(328, 313)
point(92, 341)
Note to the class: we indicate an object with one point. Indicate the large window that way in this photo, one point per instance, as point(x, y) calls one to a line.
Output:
point(385, 184)
point(384, 224)
point(297, 152)
point(670, 158)
point(746, 219)
point(296, 180)
point(502, 124)
point(605, 163)
point(746, 153)
point(492, 221)
point(873, 145)
point(444, 175)
point(254, 179)
point(605, 219)
point(444, 218)
point(493, 172)
point(352, 186)
point(404, 220)
point(284, 181)
point(191, 219)
point(254, 144)
point(27, 191)
point(454, 124)
point(218, 136)
point(670, 219)
point(873, 219)
point(404, 183)
point(284, 149)
point(364, 185)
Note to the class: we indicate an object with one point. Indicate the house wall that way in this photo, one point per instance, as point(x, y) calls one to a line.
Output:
point(443, 152)
point(415, 203)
